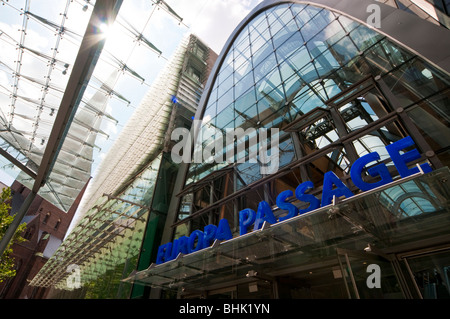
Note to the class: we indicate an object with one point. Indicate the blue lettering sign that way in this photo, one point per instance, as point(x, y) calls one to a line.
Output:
point(328, 192)
point(246, 218)
point(223, 230)
point(379, 170)
point(400, 160)
point(313, 201)
point(264, 214)
point(196, 241)
point(332, 187)
point(282, 204)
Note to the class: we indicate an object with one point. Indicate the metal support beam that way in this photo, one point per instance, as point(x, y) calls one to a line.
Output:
point(17, 163)
point(105, 11)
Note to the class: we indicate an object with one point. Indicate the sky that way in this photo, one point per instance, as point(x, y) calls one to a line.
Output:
point(214, 20)
point(211, 20)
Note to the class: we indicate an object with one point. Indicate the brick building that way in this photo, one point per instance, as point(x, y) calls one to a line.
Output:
point(46, 228)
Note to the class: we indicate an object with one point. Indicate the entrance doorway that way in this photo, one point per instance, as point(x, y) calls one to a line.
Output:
point(430, 273)
point(350, 275)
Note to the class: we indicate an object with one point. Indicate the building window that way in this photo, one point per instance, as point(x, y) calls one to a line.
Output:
point(46, 218)
point(194, 73)
point(57, 224)
point(29, 233)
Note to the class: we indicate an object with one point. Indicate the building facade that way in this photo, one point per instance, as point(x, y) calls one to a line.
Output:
point(46, 227)
point(123, 213)
point(351, 102)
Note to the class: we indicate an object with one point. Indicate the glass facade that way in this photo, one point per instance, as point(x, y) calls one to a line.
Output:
point(127, 208)
point(335, 89)
point(325, 253)
point(327, 90)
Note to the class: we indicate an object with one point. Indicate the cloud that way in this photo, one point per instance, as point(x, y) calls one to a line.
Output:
point(213, 21)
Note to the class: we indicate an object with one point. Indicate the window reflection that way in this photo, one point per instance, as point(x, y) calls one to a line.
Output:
point(305, 68)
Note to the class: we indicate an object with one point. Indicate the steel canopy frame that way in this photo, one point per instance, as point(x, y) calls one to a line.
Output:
point(105, 11)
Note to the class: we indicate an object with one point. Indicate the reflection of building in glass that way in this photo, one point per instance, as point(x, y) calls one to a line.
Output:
point(337, 89)
point(344, 92)
point(126, 204)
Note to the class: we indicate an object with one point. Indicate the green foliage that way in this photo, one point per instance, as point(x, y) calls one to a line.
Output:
point(6, 261)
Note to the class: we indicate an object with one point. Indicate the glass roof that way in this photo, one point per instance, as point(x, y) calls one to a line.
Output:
point(39, 42)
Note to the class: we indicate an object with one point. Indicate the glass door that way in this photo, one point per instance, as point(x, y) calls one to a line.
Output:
point(431, 273)
point(368, 276)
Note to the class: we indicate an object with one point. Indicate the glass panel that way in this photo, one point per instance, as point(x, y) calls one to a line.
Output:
point(414, 80)
point(294, 62)
point(245, 100)
point(432, 274)
point(276, 87)
point(316, 24)
point(433, 122)
point(225, 100)
point(225, 119)
point(364, 37)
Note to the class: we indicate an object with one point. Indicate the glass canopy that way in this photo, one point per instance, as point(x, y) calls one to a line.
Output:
point(110, 234)
point(39, 42)
point(317, 236)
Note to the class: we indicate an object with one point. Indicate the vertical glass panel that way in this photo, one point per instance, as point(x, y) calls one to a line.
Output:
point(248, 173)
point(418, 81)
point(259, 43)
point(268, 83)
point(306, 100)
point(276, 20)
point(286, 149)
point(244, 101)
point(288, 30)
point(247, 118)
point(364, 37)
point(241, 43)
point(259, 24)
point(297, 8)
point(347, 23)
point(304, 16)
point(320, 133)
point(432, 274)
point(224, 85)
point(291, 86)
point(262, 68)
point(383, 57)
point(287, 48)
point(227, 67)
point(433, 121)
point(327, 37)
point(316, 24)
point(363, 110)
point(225, 100)
point(243, 84)
point(343, 51)
point(225, 119)
point(292, 64)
